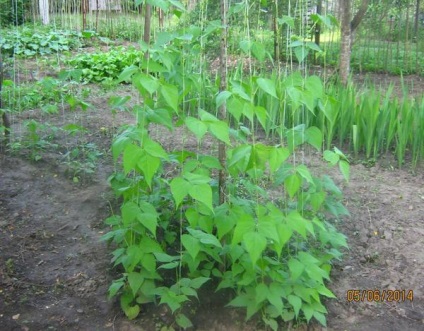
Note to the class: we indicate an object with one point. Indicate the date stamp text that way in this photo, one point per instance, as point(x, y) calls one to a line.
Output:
point(379, 295)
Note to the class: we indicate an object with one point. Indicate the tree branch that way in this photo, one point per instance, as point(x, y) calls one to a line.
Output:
point(359, 15)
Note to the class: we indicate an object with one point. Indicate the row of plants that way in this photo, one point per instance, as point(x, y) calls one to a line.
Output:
point(171, 236)
point(32, 40)
point(104, 66)
point(45, 94)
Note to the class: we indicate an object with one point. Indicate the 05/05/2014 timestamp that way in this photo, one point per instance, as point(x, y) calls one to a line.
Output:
point(379, 295)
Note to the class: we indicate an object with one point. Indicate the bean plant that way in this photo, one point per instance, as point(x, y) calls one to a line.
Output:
point(274, 252)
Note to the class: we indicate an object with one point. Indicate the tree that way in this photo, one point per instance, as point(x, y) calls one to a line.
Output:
point(44, 11)
point(348, 28)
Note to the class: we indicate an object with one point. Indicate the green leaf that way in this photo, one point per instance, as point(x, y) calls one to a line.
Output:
point(170, 94)
point(255, 244)
point(272, 323)
point(162, 4)
point(299, 224)
point(179, 189)
point(320, 317)
point(331, 157)
point(268, 86)
point(308, 311)
point(241, 300)
point(304, 172)
point(115, 287)
point(296, 303)
point(221, 131)
point(258, 51)
point(261, 113)
point(261, 292)
point(284, 235)
point(345, 169)
point(202, 193)
point(130, 311)
point(222, 97)
point(317, 199)
point(285, 19)
point(145, 82)
point(196, 179)
point(132, 154)
point(235, 107)
point(245, 224)
point(160, 116)
point(224, 224)
point(210, 162)
point(277, 156)
point(275, 294)
point(149, 165)
point(301, 53)
point(314, 84)
point(154, 149)
point(313, 46)
point(207, 117)
point(127, 73)
point(130, 211)
point(170, 265)
point(172, 299)
point(313, 136)
point(183, 321)
point(198, 282)
point(241, 152)
point(150, 221)
point(292, 184)
point(162, 257)
point(191, 244)
point(296, 268)
point(196, 126)
point(135, 280)
point(178, 5)
point(205, 238)
point(268, 228)
point(325, 291)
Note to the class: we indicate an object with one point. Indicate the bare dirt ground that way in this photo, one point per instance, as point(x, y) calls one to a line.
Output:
point(54, 271)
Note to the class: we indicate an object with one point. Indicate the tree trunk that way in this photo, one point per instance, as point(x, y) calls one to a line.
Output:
point(44, 11)
point(348, 27)
point(346, 40)
point(223, 107)
point(84, 5)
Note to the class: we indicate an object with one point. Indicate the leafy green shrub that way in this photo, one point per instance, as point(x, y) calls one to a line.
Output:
point(29, 41)
point(105, 66)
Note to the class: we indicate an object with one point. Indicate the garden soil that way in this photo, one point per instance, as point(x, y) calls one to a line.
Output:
point(55, 271)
